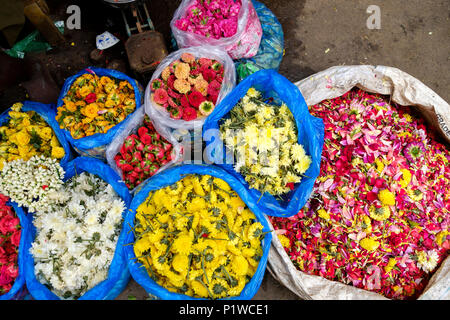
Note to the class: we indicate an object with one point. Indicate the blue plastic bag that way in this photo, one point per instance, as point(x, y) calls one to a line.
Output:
point(310, 135)
point(95, 145)
point(271, 48)
point(47, 112)
point(18, 290)
point(165, 179)
point(118, 274)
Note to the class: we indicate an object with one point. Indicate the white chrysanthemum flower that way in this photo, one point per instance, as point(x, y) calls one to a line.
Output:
point(427, 260)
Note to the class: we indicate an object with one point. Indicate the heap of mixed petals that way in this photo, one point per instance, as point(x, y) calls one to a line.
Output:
point(27, 134)
point(31, 183)
point(95, 104)
point(10, 232)
point(212, 18)
point(378, 216)
point(263, 139)
point(197, 237)
point(143, 154)
point(76, 236)
point(188, 88)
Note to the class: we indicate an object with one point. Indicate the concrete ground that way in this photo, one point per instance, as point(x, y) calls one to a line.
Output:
point(414, 37)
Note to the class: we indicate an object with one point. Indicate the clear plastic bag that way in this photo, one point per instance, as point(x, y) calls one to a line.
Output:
point(136, 121)
point(159, 115)
point(243, 44)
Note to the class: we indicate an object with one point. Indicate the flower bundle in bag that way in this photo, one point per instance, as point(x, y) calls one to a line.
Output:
point(80, 233)
point(93, 105)
point(29, 129)
point(273, 128)
point(141, 149)
point(205, 240)
point(14, 225)
point(187, 86)
point(231, 25)
point(377, 226)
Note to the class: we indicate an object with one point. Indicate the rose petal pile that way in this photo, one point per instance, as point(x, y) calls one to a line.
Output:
point(27, 134)
point(10, 232)
point(198, 238)
point(188, 88)
point(212, 19)
point(378, 218)
point(95, 104)
point(143, 154)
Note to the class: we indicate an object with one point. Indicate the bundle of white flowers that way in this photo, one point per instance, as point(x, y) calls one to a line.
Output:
point(76, 236)
point(29, 183)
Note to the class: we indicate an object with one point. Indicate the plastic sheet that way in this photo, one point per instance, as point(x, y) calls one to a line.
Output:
point(136, 121)
point(167, 178)
point(95, 145)
point(118, 274)
point(243, 44)
point(18, 290)
point(160, 115)
point(271, 48)
point(310, 135)
point(47, 112)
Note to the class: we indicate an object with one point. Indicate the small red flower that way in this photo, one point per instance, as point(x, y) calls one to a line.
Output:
point(90, 98)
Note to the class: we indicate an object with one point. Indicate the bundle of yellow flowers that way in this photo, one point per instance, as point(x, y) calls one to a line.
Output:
point(263, 139)
point(198, 238)
point(27, 134)
point(95, 104)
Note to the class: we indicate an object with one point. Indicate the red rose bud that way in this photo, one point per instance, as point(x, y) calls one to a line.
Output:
point(166, 146)
point(150, 156)
point(290, 185)
point(44, 186)
point(127, 167)
point(142, 130)
point(90, 98)
point(129, 143)
point(137, 157)
point(140, 146)
point(146, 140)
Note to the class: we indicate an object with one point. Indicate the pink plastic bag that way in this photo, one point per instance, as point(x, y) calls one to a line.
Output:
point(243, 44)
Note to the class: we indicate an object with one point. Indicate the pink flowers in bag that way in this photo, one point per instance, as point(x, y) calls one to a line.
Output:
point(211, 18)
point(9, 245)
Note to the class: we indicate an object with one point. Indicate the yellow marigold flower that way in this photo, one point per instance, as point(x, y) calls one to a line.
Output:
point(441, 236)
point(46, 133)
point(165, 74)
point(201, 85)
point(406, 178)
point(390, 265)
point(182, 86)
point(323, 214)
point(182, 70)
point(183, 243)
point(415, 195)
point(239, 265)
point(369, 244)
point(58, 152)
point(285, 242)
point(70, 105)
point(379, 214)
point(91, 110)
point(407, 117)
point(379, 164)
point(386, 197)
point(23, 138)
point(199, 289)
point(180, 262)
point(218, 288)
point(303, 165)
point(140, 246)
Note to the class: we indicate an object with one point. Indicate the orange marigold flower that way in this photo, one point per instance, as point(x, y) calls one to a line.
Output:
point(182, 86)
point(182, 70)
